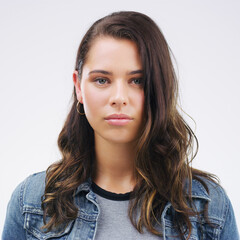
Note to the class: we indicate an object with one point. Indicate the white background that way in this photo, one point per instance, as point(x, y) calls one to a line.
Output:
point(38, 45)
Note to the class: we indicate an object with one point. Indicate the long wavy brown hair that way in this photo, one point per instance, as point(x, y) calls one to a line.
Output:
point(165, 148)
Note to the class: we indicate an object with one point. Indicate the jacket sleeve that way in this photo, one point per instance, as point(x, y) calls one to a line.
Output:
point(229, 230)
point(14, 223)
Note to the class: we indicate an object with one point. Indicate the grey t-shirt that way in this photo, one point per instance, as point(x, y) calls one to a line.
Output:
point(113, 221)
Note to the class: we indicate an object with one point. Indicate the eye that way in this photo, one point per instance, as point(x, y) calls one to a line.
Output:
point(137, 81)
point(100, 81)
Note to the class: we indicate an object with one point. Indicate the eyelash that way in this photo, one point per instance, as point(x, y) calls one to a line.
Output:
point(97, 80)
point(140, 79)
point(106, 80)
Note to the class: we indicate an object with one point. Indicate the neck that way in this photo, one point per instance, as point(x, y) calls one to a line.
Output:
point(114, 166)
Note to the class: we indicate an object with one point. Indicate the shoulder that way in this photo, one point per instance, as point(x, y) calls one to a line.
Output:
point(220, 211)
point(213, 193)
point(208, 189)
point(26, 198)
point(30, 191)
point(34, 187)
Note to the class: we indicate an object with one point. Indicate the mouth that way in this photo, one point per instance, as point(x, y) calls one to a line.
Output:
point(118, 119)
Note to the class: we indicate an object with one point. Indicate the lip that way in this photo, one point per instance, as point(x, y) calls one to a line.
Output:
point(118, 116)
point(118, 119)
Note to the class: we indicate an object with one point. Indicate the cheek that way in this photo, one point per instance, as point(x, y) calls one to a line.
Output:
point(93, 101)
point(139, 101)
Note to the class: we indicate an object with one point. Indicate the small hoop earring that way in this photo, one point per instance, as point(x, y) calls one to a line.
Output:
point(78, 110)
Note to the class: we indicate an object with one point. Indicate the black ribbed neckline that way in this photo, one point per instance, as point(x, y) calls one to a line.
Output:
point(110, 195)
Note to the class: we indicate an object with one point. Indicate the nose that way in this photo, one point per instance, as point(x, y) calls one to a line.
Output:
point(119, 94)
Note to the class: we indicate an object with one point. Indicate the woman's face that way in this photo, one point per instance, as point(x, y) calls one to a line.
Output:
point(111, 89)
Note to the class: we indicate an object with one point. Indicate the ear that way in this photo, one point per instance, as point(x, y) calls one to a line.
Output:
point(77, 86)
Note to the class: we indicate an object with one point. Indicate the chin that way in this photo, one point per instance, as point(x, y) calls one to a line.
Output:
point(117, 136)
point(122, 140)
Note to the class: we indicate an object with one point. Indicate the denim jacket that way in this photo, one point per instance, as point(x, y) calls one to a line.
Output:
point(25, 217)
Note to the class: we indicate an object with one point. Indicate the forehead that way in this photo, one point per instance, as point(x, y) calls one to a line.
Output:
point(111, 52)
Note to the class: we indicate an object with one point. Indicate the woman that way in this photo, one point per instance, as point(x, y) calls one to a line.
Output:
point(126, 151)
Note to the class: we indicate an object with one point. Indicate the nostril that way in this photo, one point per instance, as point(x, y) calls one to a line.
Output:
point(119, 103)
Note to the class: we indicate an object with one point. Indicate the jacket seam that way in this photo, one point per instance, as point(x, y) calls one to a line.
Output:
point(225, 213)
point(21, 204)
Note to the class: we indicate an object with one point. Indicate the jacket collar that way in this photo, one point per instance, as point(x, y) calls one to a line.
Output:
point(198, 190)
point(84, 187)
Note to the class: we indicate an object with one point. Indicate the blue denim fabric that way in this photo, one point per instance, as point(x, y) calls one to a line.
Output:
point(25, 217)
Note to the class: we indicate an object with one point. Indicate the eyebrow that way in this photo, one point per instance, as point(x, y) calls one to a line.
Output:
point(110, 73)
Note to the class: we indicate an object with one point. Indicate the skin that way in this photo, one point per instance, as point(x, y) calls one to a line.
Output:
point(115, 89)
